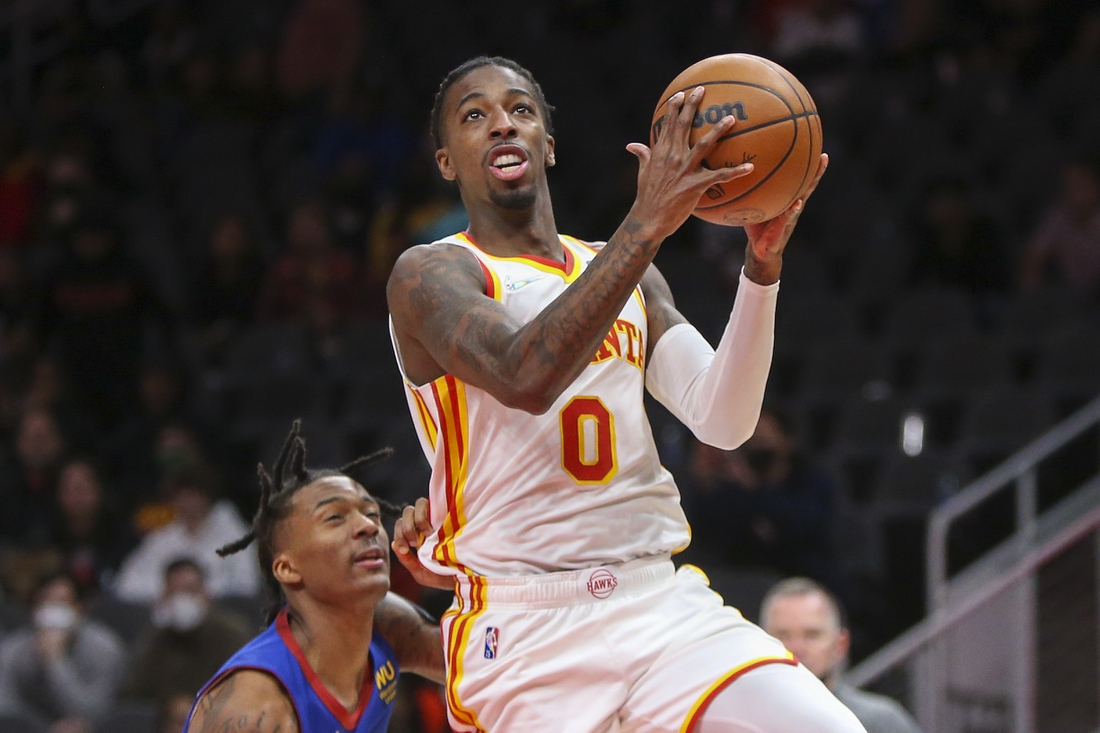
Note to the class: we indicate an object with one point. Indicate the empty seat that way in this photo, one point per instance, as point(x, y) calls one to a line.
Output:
point(16, 723)
point(813, 319)
point(922, 316)
point(915, 484)
point(1029, 317)
point(998, 422)
point(124, 618)
point(266, 351)
point(842, 370)
point(1069, 365)
point(129, 717)
point(871, 424)
point(960, 365)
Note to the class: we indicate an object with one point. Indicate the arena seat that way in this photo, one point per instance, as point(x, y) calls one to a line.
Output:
point(16, 723)
point(128, 717)
point(924, 315)
point(126, 619)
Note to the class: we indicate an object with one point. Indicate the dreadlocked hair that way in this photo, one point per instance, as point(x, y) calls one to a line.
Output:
point(472, 65)
point(289, 474)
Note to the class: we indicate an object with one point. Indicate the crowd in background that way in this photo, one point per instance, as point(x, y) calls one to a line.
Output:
point(201, 203)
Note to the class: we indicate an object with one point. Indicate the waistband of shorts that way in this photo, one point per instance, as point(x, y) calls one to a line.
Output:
point(572, 587)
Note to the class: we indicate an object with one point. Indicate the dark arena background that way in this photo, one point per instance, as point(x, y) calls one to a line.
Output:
point(201, 201)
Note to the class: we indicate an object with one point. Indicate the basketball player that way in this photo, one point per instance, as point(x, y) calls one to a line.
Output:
point(526, 354)
point(320, 666)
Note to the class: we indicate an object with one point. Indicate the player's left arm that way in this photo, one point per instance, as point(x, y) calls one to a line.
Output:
point(718, 393)
point(415, 638)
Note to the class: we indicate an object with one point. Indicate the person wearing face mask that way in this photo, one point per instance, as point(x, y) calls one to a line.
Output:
point(763, 506)
point(189, 639)
point(808, 619)
point(65, 670)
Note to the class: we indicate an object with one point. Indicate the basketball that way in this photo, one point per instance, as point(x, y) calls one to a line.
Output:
point(778, 130)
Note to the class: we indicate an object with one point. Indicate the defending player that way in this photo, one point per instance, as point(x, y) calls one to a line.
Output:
point(318, 668)
point(526, 355)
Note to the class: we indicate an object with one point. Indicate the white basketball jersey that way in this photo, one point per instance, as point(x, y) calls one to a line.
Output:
point(513, 493)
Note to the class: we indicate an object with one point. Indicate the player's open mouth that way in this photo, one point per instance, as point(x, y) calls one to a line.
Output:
point(508, 162)
point(372, 559)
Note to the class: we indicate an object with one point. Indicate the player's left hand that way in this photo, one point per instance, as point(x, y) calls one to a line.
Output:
point(408, 534)
point(768, 239)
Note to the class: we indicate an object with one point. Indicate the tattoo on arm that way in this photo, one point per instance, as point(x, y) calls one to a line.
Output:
point(230, 708)
point(476, 339)
point(660, 307)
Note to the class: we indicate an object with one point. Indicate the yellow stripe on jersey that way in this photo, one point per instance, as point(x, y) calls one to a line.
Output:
point(450, 400)
point(426, 420)
point(637, 290)
point(723, 682)
point(570, 270)
point(457, 639)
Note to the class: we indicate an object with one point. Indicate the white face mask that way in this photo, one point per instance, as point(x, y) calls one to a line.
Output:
point(180, 612)
point(56, 616)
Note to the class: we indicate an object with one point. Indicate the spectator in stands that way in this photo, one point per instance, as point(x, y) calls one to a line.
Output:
point(65, 670)
point(226, 284)
point(320, 47)
point(809, 620)
point(29, 478)
point(956, 245)
point(199, 527)
point(1067, 242)
point(96, 308)
point(763, 505)
point(821, 30)
point(190, 639)
point(92, 539)
point(314, 284)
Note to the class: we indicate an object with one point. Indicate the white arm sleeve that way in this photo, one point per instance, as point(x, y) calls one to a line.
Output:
point(718, 394)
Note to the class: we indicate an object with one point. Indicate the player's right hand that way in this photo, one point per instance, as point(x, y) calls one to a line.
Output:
point(408, 534)
point(671, 176)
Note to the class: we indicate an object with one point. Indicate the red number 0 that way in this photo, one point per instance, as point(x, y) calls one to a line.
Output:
point(588, 441)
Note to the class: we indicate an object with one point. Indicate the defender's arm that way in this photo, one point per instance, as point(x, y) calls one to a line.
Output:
point(247, 701)
point(414, 637)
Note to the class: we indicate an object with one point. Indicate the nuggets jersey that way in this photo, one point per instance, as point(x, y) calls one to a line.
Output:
point(513, 493)
point(277, 652)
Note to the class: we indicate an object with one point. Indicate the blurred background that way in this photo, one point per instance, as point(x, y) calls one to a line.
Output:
point(200, 203)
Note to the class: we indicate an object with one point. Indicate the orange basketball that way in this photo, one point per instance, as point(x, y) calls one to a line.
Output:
point(778, 130)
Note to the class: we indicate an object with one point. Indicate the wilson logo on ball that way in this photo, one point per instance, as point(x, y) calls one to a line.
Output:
point(712, 114)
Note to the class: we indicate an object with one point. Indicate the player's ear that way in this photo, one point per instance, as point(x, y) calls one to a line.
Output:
point(550, 160)
point(284, 570)
point(443, 160)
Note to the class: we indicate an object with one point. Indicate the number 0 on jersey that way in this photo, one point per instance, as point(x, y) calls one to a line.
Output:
point(588, 441)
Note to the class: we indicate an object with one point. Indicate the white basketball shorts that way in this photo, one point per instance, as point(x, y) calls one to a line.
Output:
point(637, 647)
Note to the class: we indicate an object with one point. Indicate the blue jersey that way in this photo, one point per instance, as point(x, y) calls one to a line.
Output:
point(276, 652)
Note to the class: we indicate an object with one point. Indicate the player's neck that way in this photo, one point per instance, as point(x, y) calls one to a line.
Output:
point(336, 643)
point(505, 232)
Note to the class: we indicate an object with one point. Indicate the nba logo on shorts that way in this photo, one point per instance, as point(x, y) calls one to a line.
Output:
point(491, 635)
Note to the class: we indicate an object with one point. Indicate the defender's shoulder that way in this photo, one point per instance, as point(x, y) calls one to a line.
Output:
point(246, 700)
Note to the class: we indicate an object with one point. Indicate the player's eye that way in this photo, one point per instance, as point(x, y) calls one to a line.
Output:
point(524, 108)
point(472, 114)
point(333, 517)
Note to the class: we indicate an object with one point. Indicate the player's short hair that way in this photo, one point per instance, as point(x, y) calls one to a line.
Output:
point(276, 495)
point(803, 587)
point(473, 64)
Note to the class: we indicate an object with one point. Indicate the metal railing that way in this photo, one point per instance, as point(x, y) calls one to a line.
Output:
point(1037, 537)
